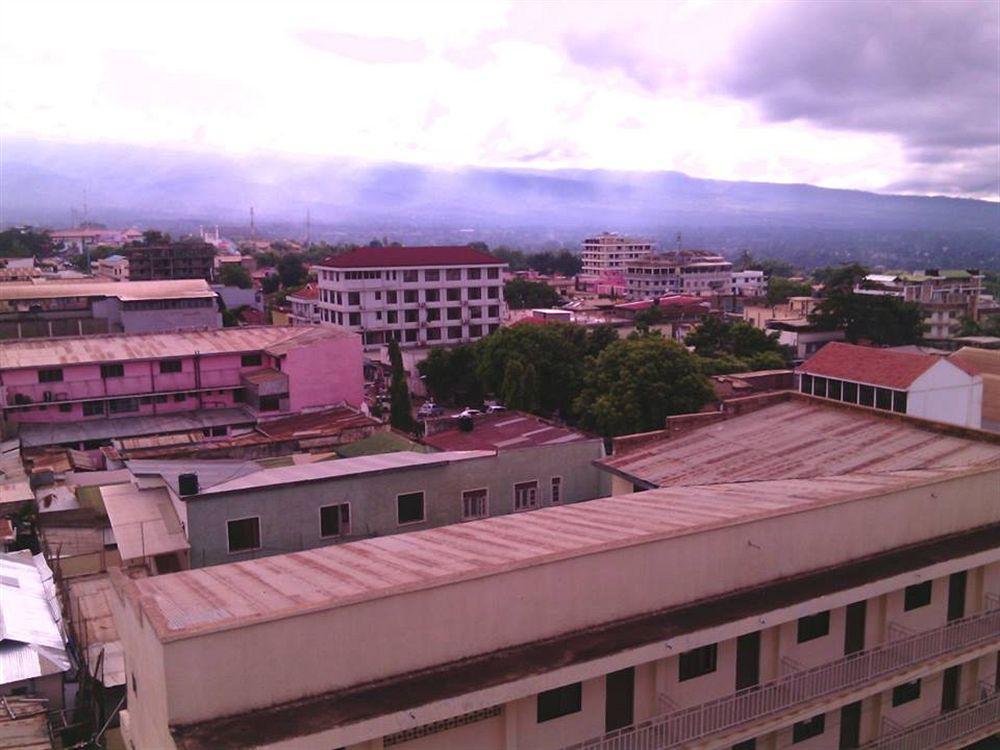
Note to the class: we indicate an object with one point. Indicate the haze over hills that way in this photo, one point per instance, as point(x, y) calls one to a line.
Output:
point(42, 182)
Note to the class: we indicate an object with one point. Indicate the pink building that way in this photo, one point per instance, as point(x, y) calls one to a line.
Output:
point(264, 370)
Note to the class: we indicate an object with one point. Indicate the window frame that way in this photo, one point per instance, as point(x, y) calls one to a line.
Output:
point(112, 370)
point(178, 362)
point(697, 662)
point(50, 375)
point(341, 531)
point(804, 635)
point(918, 595)
point(423, 508)
point(251, 360)
point(808, 728)
point(906, 692)
point(564, 700)
point(556, 482)
point(486, 503)
point(260, 535)
point(514, 487)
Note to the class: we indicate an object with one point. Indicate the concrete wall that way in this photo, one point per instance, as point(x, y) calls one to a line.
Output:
point(946, 393)
point(180, 319)
point(325, 373)
point(290, 515)
point(475, 616)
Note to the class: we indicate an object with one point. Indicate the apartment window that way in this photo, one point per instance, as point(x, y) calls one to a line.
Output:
point(556, 490)
point(834, 389)
point(50, 376)
point(122, 405)
point(560, 701)
point(251, 360)
point(814, 626)
point(475, 312)
point(899, 402)
point(493, 292)
point(804, 730)
point(178, 397)
point(170, 365)
point(492, 273)
point(697, 662)
point(474, 504)
point(93, 408)
point(454, 313)
point(378, 296)
point(391, 316)
point(433, 334)
point(433, 313)
point(335, 520)
point(819, 387)
point(475, 330)
point(866, 395)
point(473, 273)
point(112, 371)
point(453, 295)
point(410, 336)
point(409, 276)
point(525, 495)
point(354, 298)
point(850, 393)
point(410, 296)
point(455, 332)
point(354, 319)
point(806, 383)
point(391, 297)
point(916, 596)
point(243, 534)
point(432, 295)
point(410, 316)
point(453, 274)
point(270, 403)
point(410, 508)
point(432, 275)
point(475, 293)
point(883, 399)
point(493, 311)
point(908, 691)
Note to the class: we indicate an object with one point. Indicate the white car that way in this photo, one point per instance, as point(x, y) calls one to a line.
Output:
point(494, 408)
point(468, 412)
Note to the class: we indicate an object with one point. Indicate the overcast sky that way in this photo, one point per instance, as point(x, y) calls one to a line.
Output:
point(889, 96)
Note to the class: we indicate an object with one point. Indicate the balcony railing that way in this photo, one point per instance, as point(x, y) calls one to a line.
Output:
point(773, 698)
point(965, 722)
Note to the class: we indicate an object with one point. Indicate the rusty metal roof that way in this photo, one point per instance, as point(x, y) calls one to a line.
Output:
point(798, 439)
point(122, 347)
point(194, 602)
point(127, 291)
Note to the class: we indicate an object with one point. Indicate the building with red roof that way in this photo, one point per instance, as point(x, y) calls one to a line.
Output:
point(419, 296)
point(304, 306)
point(941, 389)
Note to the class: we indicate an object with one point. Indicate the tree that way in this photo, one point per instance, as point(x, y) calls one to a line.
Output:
point(24, 243)
point(270, 284)
point(401, 411)
point(780, 289)
point(234, 274)
point(292, 271)
point(882, 320)
point(599, 338)
point(717, 336)
point(521, 294)
point(266, 259)
point(155, 237)
point(451, 376)
point(636, 383)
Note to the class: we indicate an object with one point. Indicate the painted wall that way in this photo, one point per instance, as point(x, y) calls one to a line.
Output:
point(328, 372)
point(945, 393)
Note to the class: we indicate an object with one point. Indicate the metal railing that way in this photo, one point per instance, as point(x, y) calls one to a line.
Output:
point(772, 698)
point(943, 729)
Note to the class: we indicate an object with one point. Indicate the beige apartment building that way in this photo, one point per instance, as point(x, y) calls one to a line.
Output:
point(837, 592)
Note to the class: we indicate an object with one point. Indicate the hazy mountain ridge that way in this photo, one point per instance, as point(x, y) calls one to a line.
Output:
point(42, 182)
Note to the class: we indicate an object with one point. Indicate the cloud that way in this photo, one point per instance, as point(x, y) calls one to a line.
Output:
point(365, 49)
point(925, 72)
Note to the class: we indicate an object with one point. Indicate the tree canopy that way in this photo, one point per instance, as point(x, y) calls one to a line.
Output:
point(401, 413)
point(292, 271)
point(780, 289)
point(24, 243)
point(234, 274)
point(522, 294)
point(635, 383)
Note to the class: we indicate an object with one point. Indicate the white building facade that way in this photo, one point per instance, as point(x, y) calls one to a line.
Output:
point(419, 296)
point(609, 253)
point(684, 272)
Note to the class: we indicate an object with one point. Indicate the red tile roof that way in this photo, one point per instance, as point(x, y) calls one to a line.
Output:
point(308, 292)
point(866, 364)
point(379, 257)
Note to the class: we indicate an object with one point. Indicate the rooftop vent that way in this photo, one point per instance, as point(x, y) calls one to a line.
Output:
point(188, 484)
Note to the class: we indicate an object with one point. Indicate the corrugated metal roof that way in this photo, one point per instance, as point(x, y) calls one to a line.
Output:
point(122, 347)
point(144, 522)
point(502, 430)
point(192, 602)
point(798, 439)
point(127, 291)
point(31, 632)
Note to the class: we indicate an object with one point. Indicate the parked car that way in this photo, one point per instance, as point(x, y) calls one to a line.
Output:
point(468, 412)
point(430, 409)
point(494, 408)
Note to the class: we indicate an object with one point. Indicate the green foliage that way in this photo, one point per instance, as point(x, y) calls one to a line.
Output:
point(726, 364)
point(270, 284)
point(232, 318)
point(882, 320)
point(451, 375)
point(717, 336)
point(155, 237)
point(780, 289)
point(522, 294)
point(266, 259)
point(234, 274)
point(651, 316)
point(401, 410)
point(747, 262)
point(24, 243)
point(840, 278)
point(292, 271)
point(562, 263)
point(600, 338)
point(635, 383)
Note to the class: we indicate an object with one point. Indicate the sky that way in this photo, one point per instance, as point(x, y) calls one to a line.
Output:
point(886, 96)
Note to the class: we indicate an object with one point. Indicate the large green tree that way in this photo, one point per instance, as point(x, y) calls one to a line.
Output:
point(451, 375)
point(780, 289)
point(521, 294)
point(24, 243)
point(234, 274)
point(636, 383)
point(292, 271)
point(717, 336)
point(401, 410)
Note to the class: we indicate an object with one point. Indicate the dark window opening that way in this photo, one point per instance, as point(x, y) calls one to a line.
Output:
point(410, 507)
point(50, 376)
point(170, 365)
point(814, 626)
point(244, 534)
point(335, 520)
point(850, 393)
point(809, 728)
point(917, 595)
point(908, 691)
point(560, 701)
point(697, 662)
point(112, 371)
point(251, 360)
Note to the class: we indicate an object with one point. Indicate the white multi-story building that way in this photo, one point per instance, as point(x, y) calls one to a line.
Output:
point(945, 296)
point(608, 253)
point(421, 296)
point(749, 283)
point(682, 272)
point(304, 306)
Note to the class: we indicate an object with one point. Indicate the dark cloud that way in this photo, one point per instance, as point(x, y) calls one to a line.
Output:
point(926, 72)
